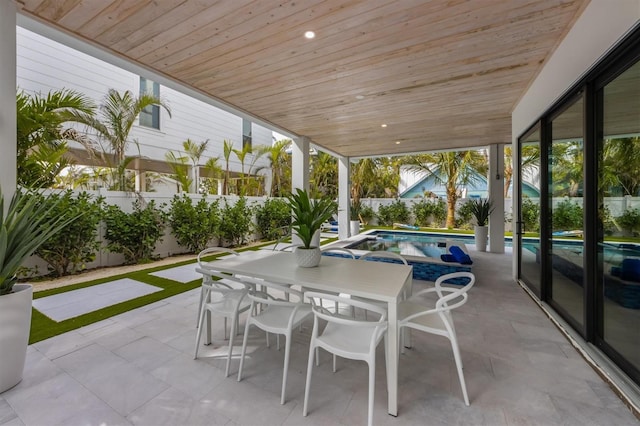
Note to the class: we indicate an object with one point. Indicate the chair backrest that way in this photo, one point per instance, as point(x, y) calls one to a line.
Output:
point(339, 250)
point(373, 255)
point(218, 282)
point(276, 294)
point(212, 250)
point(453, 297)
point(320, 312)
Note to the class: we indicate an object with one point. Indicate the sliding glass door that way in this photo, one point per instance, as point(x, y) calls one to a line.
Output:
point(528, 223)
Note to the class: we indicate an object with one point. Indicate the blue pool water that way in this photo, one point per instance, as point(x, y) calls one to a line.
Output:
point(419, 244)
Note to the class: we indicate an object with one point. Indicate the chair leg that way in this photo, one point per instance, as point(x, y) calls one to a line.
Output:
point(225, 328)
point(244, 348)
point(232, 335)
point(307, 385)
point(199, 333)
point(200, 306)
point(317, 356)
point(334, 362)
point(372, 388)
point(458, 359)
point(287, 350)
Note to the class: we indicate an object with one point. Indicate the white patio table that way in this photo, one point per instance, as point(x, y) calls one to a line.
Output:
point(379, 281)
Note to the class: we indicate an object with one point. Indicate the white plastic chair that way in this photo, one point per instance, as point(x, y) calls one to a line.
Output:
point(339, 250)
point(278, 316)
point(345, 337)
point(210, 266)
point(372, 256)
point(437, 319)
point(221, 299)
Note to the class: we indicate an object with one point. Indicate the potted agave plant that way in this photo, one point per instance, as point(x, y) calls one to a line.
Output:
point(308, 216)
point(24, 226)
point(481, 209)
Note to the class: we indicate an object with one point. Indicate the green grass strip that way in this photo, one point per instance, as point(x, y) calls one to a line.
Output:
point(43, 327)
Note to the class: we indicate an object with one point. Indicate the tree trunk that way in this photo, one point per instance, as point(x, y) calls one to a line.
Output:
point(452, 197)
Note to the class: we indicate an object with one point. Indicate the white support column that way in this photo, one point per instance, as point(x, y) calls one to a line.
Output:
point(8, 99)
point(299, 170)
point(140, 181)
point(344, 195)
point(300, 163)
point(496, 194)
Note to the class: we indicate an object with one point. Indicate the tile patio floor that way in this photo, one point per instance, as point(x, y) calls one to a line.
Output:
point(137, 368)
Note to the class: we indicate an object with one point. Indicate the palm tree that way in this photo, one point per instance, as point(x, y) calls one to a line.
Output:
point(279, 162)
point(178, 163)
point(227, 149)
point(363, 175)
point(118, 113)
point(214, 171)
point(42, 137)
point(530, 160)
point(452, 169)
point(324, 176)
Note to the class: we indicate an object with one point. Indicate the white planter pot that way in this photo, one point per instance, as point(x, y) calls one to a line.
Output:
point(481, 234)
point(354, 227)
point(15, 324)
point(308, 258)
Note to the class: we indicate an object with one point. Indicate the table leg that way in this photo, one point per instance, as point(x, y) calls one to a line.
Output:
point(392, 358)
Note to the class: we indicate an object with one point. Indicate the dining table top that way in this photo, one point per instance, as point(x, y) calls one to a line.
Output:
point(382, 281)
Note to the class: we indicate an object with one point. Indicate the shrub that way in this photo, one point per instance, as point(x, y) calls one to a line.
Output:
point(194, 226)
point(530, 215)
point(67, 251)
point(464, 214)
point(396, 212)
point(629, 220)
point(367, 213)
point(134, 234)
point(271, 217)
point(429, 213)
point(567, 215)
point(236, 222)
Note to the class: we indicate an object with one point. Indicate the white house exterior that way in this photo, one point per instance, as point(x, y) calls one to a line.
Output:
point(44, 65)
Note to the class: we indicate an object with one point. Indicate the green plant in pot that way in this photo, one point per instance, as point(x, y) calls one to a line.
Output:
point(307, 217)
point(354, 210)
point(481, 209)
point(24, 226)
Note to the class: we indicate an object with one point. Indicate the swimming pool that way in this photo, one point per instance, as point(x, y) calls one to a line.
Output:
point(418, 244)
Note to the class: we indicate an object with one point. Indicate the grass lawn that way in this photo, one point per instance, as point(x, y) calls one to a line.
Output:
point(43, 327)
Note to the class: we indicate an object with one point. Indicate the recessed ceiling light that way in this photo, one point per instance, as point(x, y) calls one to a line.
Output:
point(309, 34)
point(397, 142)
point(359, 97)
point(383, 125)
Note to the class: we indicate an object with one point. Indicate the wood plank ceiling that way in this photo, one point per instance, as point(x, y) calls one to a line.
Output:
point(440, 74)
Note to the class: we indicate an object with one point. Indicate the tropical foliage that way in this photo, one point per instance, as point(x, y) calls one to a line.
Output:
point(117, 114)
point(452, 169)
point(43, 134)
point(481, 208)
point(309, 215)
point(134, 234)
point(236, 222)
point(24, 226)
point(273, 218)
point(69, 249)
point(194, 225)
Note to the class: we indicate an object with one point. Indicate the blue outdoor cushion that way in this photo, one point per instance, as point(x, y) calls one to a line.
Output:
point(460, 256)
point(447, 258)
point(630, 270)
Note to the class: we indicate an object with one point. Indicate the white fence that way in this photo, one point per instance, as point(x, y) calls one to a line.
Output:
point(168, 246)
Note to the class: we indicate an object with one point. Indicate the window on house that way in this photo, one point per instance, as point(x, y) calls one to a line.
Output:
point(150, 116)
point(246, 133)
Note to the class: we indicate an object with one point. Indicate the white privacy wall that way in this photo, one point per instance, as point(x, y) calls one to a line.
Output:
point(44, 65)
